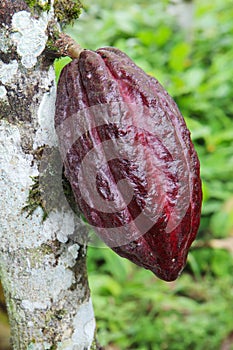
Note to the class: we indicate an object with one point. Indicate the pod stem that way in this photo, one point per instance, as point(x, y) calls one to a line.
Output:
point(68, 46)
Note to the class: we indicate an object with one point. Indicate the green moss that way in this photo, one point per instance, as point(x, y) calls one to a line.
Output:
point(51, 47)
point(35, 199)
point(66, 11)
point(38, 6)
point(95, 346)
point(53, 347)
point(50, 190)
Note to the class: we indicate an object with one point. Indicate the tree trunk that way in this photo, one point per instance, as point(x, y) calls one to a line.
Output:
point(42, 262)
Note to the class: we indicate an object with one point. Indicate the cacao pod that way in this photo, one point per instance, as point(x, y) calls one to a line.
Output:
point(130, 161)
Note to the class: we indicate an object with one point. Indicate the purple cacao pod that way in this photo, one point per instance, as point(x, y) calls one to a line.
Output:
point(130, 161)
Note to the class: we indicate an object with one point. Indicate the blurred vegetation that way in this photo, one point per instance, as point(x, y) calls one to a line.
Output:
point(135, 310)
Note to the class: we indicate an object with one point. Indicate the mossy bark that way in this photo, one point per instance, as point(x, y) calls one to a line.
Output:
point(42, 258)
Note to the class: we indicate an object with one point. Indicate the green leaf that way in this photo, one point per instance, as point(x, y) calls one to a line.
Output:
point(179, 56)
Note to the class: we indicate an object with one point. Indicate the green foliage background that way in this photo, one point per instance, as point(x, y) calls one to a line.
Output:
point(135, 310)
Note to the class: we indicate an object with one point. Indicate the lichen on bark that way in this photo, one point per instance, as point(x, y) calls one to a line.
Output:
point(42, 262)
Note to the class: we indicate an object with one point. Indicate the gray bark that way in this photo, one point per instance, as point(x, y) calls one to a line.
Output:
point(42, 263)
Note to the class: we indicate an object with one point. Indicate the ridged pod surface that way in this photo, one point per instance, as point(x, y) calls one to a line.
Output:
point(130, 161)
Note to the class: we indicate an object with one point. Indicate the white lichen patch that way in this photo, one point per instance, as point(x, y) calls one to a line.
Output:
point(43, 286)
point(3, 93)
point(46, 134)
point(59, 225)
point(31, 306)
point(70, 256)
point(15, 165)
point(16, 173)
point(4, 44)
point(8, 71)
point(84, 326)
point(29, 36)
